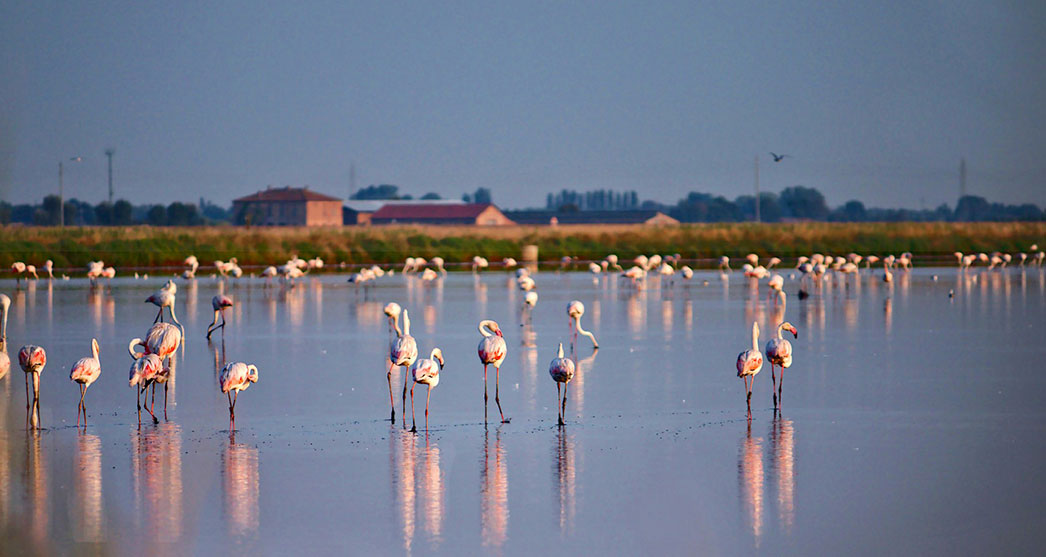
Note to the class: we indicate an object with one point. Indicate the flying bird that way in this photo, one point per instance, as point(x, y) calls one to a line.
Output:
point(778, 158)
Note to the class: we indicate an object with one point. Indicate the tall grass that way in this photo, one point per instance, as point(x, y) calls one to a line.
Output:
point(145, 246)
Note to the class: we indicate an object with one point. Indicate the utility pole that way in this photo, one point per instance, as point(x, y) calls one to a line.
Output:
point(352, 179)
point(109, 153)
point(962, 177)
point(757, 216)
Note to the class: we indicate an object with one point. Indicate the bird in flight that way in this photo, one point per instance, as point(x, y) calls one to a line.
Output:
point(778, 158)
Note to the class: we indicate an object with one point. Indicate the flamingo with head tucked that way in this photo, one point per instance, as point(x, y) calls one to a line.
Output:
point(749, 364)
point(236, 377)
point(562, 371)
point(575, 309)
point(162, 340)
point(18, 268)
point(403, 351)
point(144, 370)
point(492, 351)
point(32, 359)
point(779, 352)
point(425, 371)
point(85, 371)
point(219, 303)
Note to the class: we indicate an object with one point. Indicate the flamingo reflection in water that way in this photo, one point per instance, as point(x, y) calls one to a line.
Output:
point(240, 487)
point(751, 480)
point(782, 469)
point(565, 468)
point(420, 474)
point(494, 492)
point(156, 468)
point(89, 516)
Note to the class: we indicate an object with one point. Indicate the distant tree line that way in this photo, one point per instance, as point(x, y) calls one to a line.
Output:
point(596, 200)
point(120, 213)
point(794, 203)
point(391, 192)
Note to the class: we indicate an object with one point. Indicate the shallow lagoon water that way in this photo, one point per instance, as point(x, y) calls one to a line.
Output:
point(910, 421)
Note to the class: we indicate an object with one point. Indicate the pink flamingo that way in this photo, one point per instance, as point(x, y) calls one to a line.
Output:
point(162, 339)
point(236, 376)
point(144, 370)
point(562, 371)
point(492, 351)
point(86, 371)
point(32, 359)
point(779, 352)
point(749, 364)
point(18, 268)
point(5, 360)
point(403, 351)
point(425, 371)
point(219, 303)
point(575, 309)
point(163, 298)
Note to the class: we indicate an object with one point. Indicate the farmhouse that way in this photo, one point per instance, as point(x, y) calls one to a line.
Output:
point(646, 217)
point(481, 214)
point(288, 206)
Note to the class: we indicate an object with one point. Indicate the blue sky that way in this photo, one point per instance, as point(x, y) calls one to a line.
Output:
point(876, 101)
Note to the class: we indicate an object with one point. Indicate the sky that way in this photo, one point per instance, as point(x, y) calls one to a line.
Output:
point(875, 101)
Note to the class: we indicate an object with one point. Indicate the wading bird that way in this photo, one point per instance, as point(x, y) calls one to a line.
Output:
point(236, 376)
point(425, 371)
point(163, 298)
point(32, 359)
point(779, 158)
point(144, 371)
point(575, 309)
point(492, 351)
point(18, 268)
point(392, 312)
point(779, 352)
point(749, 363)
point(162, 340)
point(219, 303)
point(5, 360)
point(85, 371)
point(403, 351)
point(562, 371)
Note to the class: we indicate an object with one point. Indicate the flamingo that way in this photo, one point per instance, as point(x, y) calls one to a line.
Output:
point(749, 364)
point(144, 370)
point(776, 283)
point(403, 351)
point(392, 311)
point(428, 275)
point(492, 351)
point(530, 299)
point(49, 268)
point(479, 263)
point(236, 376)
point(687, 272)
point(612, 262)
point(31, 270)
point(438, 262)
point(164, 298)
point(779, 352)
point(562, 371)
point(509, 262)
point(162, 340)
point(575, 309)
point(32, 359)
point(887, 275)
point(425, 371)
point(219, 303)
point(86, 371)
point(724, 264)
point(18, 268)
point(5, 360)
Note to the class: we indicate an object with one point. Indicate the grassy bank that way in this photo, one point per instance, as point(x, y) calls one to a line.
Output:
point(144, 246)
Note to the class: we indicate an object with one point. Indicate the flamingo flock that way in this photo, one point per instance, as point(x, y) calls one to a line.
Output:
point(153, 358)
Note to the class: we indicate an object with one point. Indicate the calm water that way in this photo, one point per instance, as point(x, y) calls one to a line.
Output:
point(910, 422)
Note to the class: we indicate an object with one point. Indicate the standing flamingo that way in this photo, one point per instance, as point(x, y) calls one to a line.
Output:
point(162, 339)
point(779, 352)
point(219, 303)
point(144, 370)
point(236, 376)
point(32, 359)
point(492, 351)
point(163, 298)
point(5, 360)
point(749, 363)
point(49, 268)
point(425, 371)
point(562, 371)
point(403, 351)
point(18, 268)
point(85, 371)
point(575, 309)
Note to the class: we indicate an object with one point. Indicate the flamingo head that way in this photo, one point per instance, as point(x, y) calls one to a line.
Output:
point(790, 328)
point(437, 355)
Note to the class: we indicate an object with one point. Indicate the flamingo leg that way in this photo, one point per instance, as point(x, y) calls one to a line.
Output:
point(780, 383)
point(428, 395)
point(27, 401)
point(235, 395)
point(164, 403)
point(138, 400)
point(36, 399)
point(497, 377)
point(392, 402)
point(413, 426)
point(484, 393)
point(83, 390)
point(563, 413)
point(774, 379)
point(159, 316)
point(403, 401)
point(559, 412)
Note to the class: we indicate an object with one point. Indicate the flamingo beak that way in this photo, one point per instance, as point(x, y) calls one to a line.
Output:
point(498, 332)
point(795, 332)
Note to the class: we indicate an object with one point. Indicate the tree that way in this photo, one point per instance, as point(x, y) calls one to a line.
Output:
point(703, 207)
point(50, 208)
point(431, 195)
point(5, 212)
point(182, 214)
point(157, 215)
point(851, 211)
point(103, 213)
point(482, 195)
point(972, 208)
point(122, 211)
point(804, 203)
point(383, 191)
point(769, 207)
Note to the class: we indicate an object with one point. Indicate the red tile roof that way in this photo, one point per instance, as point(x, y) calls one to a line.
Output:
point(422, 212)
point(287, 194)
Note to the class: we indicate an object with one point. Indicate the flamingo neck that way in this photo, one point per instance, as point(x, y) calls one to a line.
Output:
point(755, 338)
point(560, 350)
point(779, 329)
